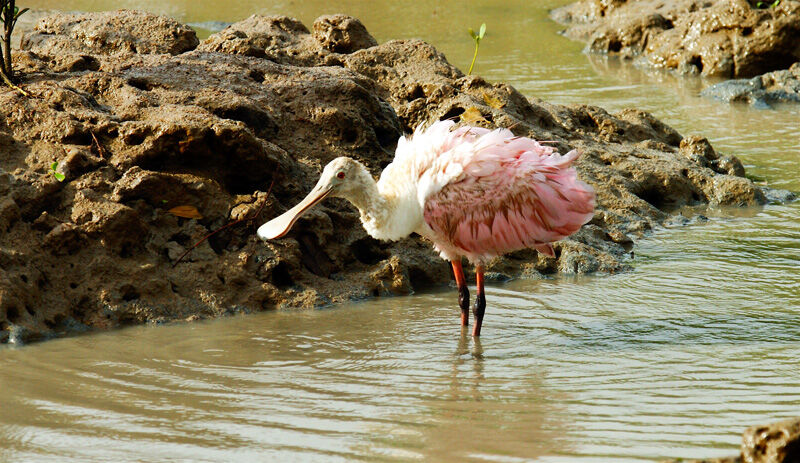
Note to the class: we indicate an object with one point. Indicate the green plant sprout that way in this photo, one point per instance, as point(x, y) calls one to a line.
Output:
point(477, 38)
point(58, 175)
point(764, 5)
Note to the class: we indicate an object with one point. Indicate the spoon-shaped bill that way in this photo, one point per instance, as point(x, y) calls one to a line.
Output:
point(281, 225)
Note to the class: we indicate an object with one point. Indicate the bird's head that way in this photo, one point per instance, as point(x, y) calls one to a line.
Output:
point(343, 177)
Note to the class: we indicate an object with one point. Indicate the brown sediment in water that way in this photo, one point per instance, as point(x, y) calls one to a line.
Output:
point(142, 117)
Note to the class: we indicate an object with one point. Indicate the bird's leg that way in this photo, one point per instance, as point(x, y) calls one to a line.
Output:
point(480, 301)
point(463, 292)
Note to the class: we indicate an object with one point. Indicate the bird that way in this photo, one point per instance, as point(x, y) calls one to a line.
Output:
point(475, 193)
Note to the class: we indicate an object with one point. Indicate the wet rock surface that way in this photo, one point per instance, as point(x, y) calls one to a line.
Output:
point(774, 443)
point(777, 442)
point(761, 91)
point(149, 122)
point(725, 38)
point(708, 460)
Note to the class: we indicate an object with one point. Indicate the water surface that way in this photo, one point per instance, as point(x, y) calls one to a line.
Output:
point(673, 359)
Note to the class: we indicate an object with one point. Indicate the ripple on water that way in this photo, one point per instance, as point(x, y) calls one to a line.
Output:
point(672, 359)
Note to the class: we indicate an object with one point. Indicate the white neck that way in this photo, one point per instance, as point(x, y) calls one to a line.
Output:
point(384, 214)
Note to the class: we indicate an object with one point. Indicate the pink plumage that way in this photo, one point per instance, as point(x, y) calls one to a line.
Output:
point(512, 193)
point(475, 193)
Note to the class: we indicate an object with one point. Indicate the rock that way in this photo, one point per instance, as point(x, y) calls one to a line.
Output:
point(698, 149)
point(774, 443)
point(64, 239)
point(761, 91)
point(6, 181)
point(167, 190)
point(280, 38)
point(775, 196)
point(391, 279)
point(9, 213)
point(342, 34)
point(728, 165)
point(725, 38)
point(286, 40)
point(109, 33)
point(79, 160)
point(707, 460)
point(26, 22)
point(735, 191)
point(263, 105)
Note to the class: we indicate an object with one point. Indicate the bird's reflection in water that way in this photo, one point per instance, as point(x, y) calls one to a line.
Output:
point(463, 384)
point(475, 417)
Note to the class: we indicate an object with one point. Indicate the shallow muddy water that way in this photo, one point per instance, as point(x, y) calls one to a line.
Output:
point(673, 359)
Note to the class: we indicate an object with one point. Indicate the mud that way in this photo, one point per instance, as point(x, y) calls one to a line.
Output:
point(141, 117)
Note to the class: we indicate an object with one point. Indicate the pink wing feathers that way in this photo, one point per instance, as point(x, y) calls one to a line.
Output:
point(513, 193)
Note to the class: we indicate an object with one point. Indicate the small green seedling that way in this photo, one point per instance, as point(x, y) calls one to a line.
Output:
point(477, 38)
point(763, 5)
point(58, 175)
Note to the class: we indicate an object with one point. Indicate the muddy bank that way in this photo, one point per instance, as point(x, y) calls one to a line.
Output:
point(141, 117)
point(777, 442)
point(723, 38)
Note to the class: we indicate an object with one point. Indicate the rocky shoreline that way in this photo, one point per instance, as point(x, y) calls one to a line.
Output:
point(730, 39)
point(141, 117)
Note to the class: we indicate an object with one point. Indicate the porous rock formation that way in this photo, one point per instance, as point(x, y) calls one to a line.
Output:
point(777, 442)
point(724, 38)
point(141, 118)
point(760, 91)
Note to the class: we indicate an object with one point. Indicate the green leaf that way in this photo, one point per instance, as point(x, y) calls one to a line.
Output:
point(472, 34)
point(483, 31)
point(17, 15)
point(58, 175)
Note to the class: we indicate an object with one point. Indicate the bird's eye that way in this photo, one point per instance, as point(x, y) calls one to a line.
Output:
point(340, 175)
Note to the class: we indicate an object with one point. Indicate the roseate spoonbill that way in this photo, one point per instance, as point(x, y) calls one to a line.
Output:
point(473, 192)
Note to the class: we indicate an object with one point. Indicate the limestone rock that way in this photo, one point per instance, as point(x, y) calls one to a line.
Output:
point(342, 34)
point(725, 38)
point(774, 443)
point(761, 91)
point(109, 32)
